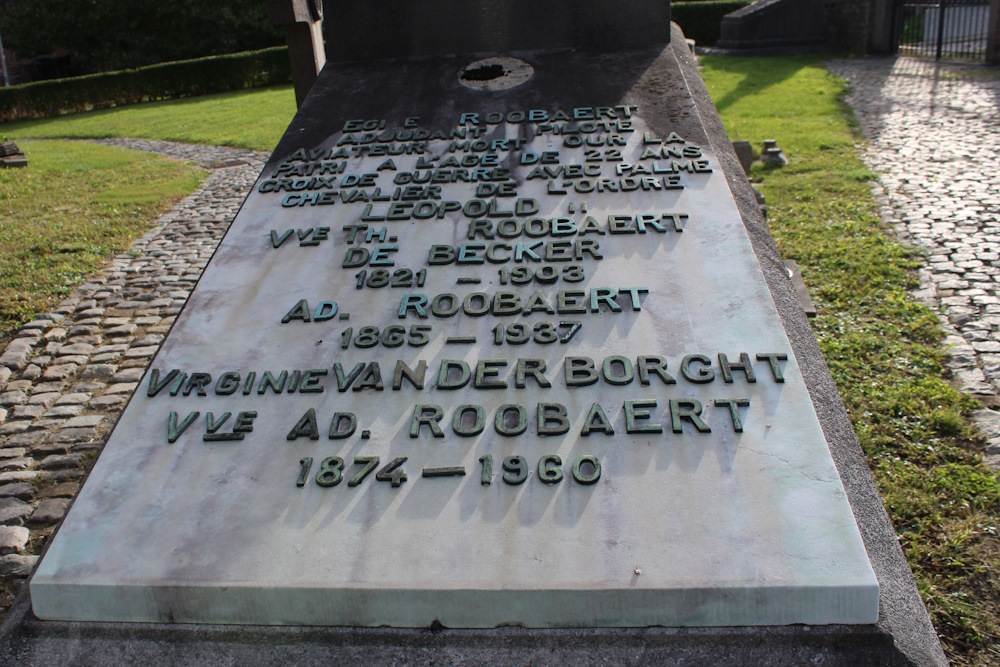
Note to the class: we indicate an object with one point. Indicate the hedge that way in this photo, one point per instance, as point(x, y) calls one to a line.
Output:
point(186, 78)
point(702, 21)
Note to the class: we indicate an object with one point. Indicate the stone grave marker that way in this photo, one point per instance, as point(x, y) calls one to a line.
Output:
point(484, 363)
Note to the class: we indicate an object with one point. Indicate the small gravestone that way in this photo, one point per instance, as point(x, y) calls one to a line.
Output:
point(12, 156)
point(744, 152)
point(772, 154)
point(492, 343)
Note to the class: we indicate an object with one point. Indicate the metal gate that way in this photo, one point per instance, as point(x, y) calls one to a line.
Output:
point(944, 29)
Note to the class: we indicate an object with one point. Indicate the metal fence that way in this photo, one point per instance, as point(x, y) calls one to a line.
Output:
point(945, 29)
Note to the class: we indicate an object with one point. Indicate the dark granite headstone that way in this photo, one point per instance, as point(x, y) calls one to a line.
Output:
point(775, 26)
point(12, 156)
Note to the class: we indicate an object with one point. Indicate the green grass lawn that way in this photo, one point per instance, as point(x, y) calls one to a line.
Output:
point(883, 349)
point(253, 119)
point(69, 210)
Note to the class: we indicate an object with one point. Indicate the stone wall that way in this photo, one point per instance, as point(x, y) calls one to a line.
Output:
point(849, 23)
point(993, 41)
point(860, 26)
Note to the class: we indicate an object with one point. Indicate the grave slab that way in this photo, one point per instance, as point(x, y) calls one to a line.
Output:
point(596, 417)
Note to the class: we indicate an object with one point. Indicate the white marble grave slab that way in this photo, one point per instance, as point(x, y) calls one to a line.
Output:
point(682, 529)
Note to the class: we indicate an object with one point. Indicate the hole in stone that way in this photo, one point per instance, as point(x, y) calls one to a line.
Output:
point(494, 74)
point(484, 73)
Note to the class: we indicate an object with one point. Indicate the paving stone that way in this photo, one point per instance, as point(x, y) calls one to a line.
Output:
point(62, 490)
point(28, 411)
point(13, 539)
point(84, 329)
point(84, 420)
point(107, 402)
point(16, 355)
point(136, 352)
point(105, 357)
point(16, 464)
point(20, 490)
point(64, 411)
point(77, 359)
point(57, 461)
point(74, 435)
point(972, 381)
point(41, 361)
point(108, 349)
point(59, 372)
point(9, 398)
point(45, 399)
point(89, 339)
point(61, 475)
point(73, 399)
point(94, 371)
point(17, 565)
point(18, 476)
point(14, 511)
point(47, 424)
point(27, 438)
point(49, 448)
point(129, 375)
point(48, 387)
point(50, 510)
point(121, 331)
point(149, 340)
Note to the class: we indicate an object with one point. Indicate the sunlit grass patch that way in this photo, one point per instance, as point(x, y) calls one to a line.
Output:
point(254, 119)
point(69, 210)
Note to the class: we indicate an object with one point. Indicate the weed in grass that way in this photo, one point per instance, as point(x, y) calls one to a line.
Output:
point(66, 213)
point(883, 350)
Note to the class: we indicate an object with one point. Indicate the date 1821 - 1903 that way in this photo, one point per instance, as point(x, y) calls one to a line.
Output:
point(585, 470)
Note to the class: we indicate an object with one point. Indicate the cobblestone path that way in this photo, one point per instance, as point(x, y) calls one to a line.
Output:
point(66, 376)
point(933, 133)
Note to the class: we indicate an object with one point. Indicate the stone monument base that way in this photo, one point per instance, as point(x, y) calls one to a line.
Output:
point(29, 641)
